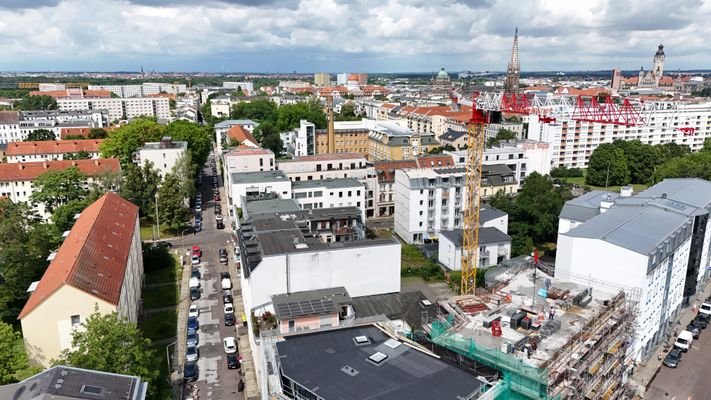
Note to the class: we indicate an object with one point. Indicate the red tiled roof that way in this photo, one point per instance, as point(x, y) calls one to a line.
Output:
point(388, 105)
point(386, 169)
point(63, 132)
point(29, 171)
point(73, 93)
point(242, 135)
point(93, 257)
point(435, 161)
point(53, 147)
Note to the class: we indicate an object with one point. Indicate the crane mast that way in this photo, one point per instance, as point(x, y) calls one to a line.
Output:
point(470, 232)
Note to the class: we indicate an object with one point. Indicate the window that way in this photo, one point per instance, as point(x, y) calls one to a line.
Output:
point(340, 194)
point(76, 320)
point(350, 193)
point(261, 162)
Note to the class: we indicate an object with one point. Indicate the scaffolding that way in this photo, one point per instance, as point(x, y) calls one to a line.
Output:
point(593, 363)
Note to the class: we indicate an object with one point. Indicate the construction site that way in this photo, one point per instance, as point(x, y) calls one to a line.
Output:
point(548, 339)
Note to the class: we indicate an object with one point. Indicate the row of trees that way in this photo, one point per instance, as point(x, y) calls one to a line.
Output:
point(625, 162)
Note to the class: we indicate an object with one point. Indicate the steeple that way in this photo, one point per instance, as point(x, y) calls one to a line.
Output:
point(513, 72)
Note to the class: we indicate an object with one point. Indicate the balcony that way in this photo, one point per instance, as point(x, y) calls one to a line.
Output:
point(343, 230)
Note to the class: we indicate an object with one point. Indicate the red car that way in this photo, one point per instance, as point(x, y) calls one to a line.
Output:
point(197, 251)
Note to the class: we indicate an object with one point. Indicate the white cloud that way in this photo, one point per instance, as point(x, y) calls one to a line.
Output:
point(308, 35)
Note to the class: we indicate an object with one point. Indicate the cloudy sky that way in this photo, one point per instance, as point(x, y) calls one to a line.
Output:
point(350, 35)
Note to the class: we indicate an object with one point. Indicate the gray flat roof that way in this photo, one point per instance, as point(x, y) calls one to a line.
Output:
point(693, 191)
point(258, 177)
point(407, 306)
point(488, 213)
point(584, 207)
point(311, 302)
point(487, 235)
point(327, 184)
point(332, 366)
point(270, 206)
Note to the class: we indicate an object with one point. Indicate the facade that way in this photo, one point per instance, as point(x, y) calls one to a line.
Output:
point(494, 248)
point(330, 193)
point(51, 150)
point(386, 183)
point(143, 90)
point(389, 141)
point(98, 266)
point(247, 87)
point(220, 107)
point(301, 141)
point(491, 130)
point(654, 244)
point(222, 127)
point(574, 141)
point(69, 383)
point(245, 159)
point(322, 79)
point(336, 166)
point(351, 137)
point(256, 183)
point(456, 139)
point(326, 308)
point(164, 155)
point(120, 108)
point(16, 179)
point(16, 125)
point(651, 79)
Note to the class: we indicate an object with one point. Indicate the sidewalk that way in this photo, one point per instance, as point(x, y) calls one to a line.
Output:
point(645, 372)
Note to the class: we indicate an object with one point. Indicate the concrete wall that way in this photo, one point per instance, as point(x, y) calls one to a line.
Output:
point(237, 190)
point(130, 298)
point(163, 159)
point(310, 322)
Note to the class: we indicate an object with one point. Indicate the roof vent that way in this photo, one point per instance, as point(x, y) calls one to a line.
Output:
point(378, 358)
point(33, 286)
point(93, 390)
point(51, 256)
point(301, 246)
point(361, 340)
point(426, 303)
point(349, 370)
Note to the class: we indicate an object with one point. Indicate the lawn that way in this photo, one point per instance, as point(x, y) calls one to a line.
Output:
point(147, 230)
point(165, 275)
point(160, 296)
point(160, 325)
point(412, 257)
point(581, 182)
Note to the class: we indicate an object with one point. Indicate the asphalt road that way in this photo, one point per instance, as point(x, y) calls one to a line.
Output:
point(691, 380)
point(216, 381)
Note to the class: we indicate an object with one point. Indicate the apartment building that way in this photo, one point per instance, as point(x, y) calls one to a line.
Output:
point(220, 106)
point(246, 87)
point(491, 130)
point(336, 166)
point(221, 129)
point(322, 79)
point(386, 182)
point(121, 108)
point(16, 179)
point(654, 244)
point(330, 193)
point(573, 142)
point(389, 141)
point(255, 183)
point(351, 137)
point(51, 150)
point(300, 141)
point(246, 159)
point(98, 267)
point(16, 125)
point(143, 90)
point(164, 155)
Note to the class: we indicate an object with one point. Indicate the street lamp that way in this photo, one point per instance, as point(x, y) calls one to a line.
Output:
point(157, 218)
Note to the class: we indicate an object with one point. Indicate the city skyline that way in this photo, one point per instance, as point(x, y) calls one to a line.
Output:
point(369, 36)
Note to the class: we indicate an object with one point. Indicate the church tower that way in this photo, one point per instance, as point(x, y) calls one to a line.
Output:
point(513, 72)
point(658, 64)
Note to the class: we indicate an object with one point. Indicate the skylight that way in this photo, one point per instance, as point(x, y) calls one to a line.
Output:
point(392, 343)
point(378, 358)
point(361, 340)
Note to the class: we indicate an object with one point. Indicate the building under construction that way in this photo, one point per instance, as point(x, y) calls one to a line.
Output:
point(549, 339)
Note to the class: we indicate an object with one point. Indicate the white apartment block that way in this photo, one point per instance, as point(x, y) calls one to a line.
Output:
point(121, 108)
point(256, 183)
point(494, 248)
point(16, 125)
point(220, 107)
point(241, 159)
point(428, 201)
point(335, 166)
point(574, 141)
point(294, 84)
point(491, 130)
point(142, 90)
point(50, 87)
point(654, 244)
point(301, 141)
point(521, 156)
point(245, 86)
point(330, 193)
point(164, 155)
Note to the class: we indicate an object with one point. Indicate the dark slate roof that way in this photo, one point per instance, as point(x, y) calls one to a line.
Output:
point(311, 302)
point(70, 383)
point(331, 365)
point(490, 213)
point(407, 306)
point(451, 135)
point(487, 235)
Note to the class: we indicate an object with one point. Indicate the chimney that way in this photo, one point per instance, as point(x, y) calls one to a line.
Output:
point(44, 165)
point(20, 166)
point(74, 163)
point(331, 129)
point(626, 191)
point(96, 162)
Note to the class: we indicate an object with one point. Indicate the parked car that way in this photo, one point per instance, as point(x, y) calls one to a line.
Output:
point(229, 308)
point(193, 338)
point(193, 311)
point(198, 207)
point(163, 244)
point(684, 341)
point(226, 283)
point(701, 321)
point(220, 225)
point(194, 283)
point(227, 296)
point(193, 323)
point(195, 273)
point(197, 227)
point(218, 218)
point(192, 354)
point(218, 209)
point(705, 309)
point(197, 251)
point(195, 260)
point(194, 294)
point(224, 275)
point(190, 372)
point(230, 345)
point(230, 319)
point(217, 197)
point(223, 256)
point(673, 358)
point(233, 362)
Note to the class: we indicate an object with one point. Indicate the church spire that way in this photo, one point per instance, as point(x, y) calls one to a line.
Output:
point(513, 72)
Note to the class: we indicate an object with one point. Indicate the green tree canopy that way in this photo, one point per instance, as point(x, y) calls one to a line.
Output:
point(54, 188)
point(290, 115)
point(125, 141)
point(36, 103)
point(110, 343)
point(347, 113)
point(80, 155)
point(97, 133)
point(63, 216)
point(40, 135)
point(607, 166)
point(171, 202)
point(273, 142)
point(258, 110)
point(14, 364)
point(694, 165)
point(641, 159)
point(199, 139)
point(140, 185)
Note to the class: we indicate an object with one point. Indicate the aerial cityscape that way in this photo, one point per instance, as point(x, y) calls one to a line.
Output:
point(297, 199)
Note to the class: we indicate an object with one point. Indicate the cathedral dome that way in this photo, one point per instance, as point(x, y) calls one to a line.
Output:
point(442, 74)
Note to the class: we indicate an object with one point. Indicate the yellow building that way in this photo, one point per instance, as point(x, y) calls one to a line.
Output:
point(322, 79)
point(98, 267)
point(351, 137)
point(389, 141)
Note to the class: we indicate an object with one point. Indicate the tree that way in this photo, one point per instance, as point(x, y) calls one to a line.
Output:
point(13, 359)
point(36, 103)
point(129, 138)
point(258, 110)
point(264, 129)
point(607, 166)
point(199, 139)
point(184, 170)
point(273, 142)
point(140, 185)
point(63, 216)
point(290, 115)
point(641, 159)
point(347, 113)
point(695, 165)
point(172, 104)
point(80, 155)
point(97, 133)
point(40, 135)
point(110, 343)
point(171, 202)
point(54, 188)
point(563, 172)
point(707, 146)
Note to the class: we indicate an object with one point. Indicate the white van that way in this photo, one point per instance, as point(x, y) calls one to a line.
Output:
point(684, 340)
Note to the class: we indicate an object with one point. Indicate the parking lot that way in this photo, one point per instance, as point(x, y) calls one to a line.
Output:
point(215, 380)
point(690, 379)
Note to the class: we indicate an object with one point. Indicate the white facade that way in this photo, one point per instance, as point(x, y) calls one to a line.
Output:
point(330, 193)
point(491, 130)
point(220, 108)
point(121, 108)
point(427, 201)
point(15, 126)
point(301, 141)
point(164, 155)
point(490, 252)
point(246, 160)
point(254, 183)
point(573, 141)
point(245, 86)
point(521, 156)
point(142, 90)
